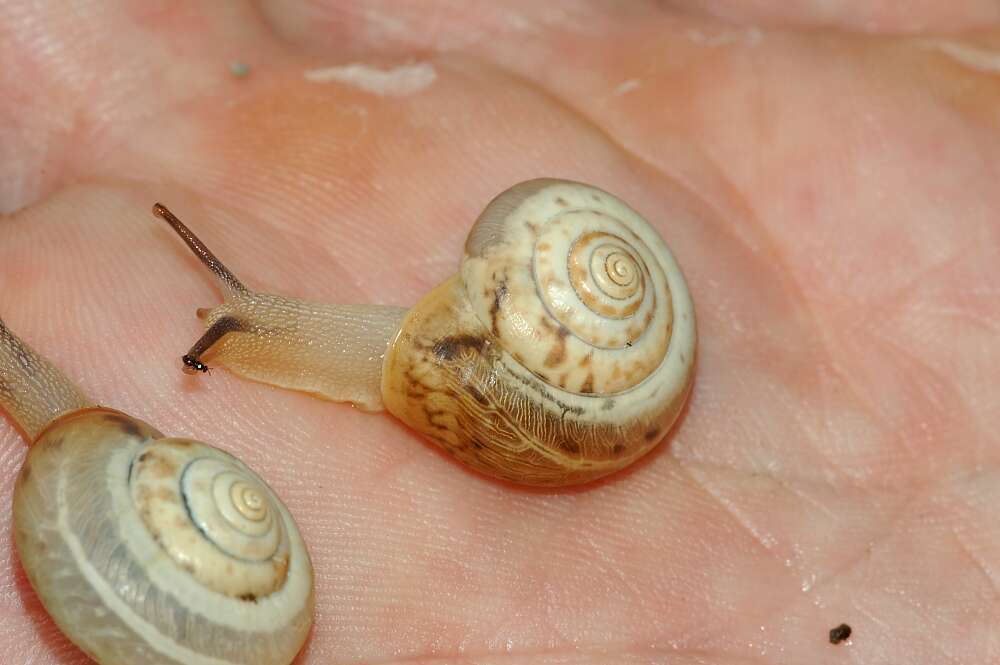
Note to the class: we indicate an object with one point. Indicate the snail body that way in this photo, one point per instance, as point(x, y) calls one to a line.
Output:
point(147, 549)
point(562, 351)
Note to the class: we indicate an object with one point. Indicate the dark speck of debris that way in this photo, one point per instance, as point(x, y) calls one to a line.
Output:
point(840, 633)
point(239, 69)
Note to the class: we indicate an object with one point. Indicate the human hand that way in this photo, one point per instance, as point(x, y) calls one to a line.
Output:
point(831, 196)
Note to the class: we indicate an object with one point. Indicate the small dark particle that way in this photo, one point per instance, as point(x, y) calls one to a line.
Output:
point(652, 434)
point(239, 69)
point(249, 598)
point(840, 633)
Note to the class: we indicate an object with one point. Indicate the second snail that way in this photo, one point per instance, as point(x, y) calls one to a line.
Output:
point(562, 351)
point(144, 548)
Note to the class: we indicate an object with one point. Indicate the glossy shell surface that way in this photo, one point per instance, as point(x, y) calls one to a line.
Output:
point(156, 550)
point(564, 350)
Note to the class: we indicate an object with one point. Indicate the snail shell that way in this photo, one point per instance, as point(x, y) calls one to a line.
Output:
point(563, 351)
point(158, 550)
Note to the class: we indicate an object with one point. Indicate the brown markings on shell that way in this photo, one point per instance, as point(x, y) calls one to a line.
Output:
point(128, 426)
point(450, 383)
point(500, 420)
point(448, 348)
point(499, 293)
point(280, 565)
point(579, 270)
point(158, 465)
point(557, 354)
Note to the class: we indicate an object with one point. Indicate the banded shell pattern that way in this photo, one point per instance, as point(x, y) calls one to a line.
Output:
point(574, 347)
point(159, 550)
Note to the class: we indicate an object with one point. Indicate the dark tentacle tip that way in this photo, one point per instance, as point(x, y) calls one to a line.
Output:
point(192, 365)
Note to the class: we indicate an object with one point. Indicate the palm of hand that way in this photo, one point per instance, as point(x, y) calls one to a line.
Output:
point(828, 196)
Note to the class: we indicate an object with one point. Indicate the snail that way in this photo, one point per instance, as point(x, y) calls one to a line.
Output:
point(145, 549)
point(563, 350)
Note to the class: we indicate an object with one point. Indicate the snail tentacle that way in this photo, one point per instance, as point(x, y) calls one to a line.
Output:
point(232, 285)
point(329, 350)
point(32, 391)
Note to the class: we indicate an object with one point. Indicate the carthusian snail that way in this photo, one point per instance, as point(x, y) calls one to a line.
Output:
point(562, 351)
point(147, 549)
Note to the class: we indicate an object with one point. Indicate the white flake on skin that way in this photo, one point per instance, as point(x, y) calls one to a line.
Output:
point(396, 82)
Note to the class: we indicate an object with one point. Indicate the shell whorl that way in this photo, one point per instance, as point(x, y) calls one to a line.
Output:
point(575, 286)
point(562, 352)
point(158, 550)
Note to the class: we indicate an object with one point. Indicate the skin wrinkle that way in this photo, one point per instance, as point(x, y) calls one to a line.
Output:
point(978, 562)
point(600, 653)
point(888, 530)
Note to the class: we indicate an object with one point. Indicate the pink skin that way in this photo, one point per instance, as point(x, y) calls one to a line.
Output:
point(831, 195)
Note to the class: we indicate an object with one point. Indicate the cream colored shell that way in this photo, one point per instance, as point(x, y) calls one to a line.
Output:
point(564, 352)
point(159, 551)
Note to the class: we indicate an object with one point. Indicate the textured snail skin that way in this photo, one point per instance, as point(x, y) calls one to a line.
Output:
point(527, 366)
point(103, 513)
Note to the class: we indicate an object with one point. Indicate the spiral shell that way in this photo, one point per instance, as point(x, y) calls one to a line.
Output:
point(147, 549)
point(572, 285)
point(570, 345)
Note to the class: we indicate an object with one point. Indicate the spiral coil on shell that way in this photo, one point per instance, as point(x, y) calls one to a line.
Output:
point(564, 352)
point(147, 549)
